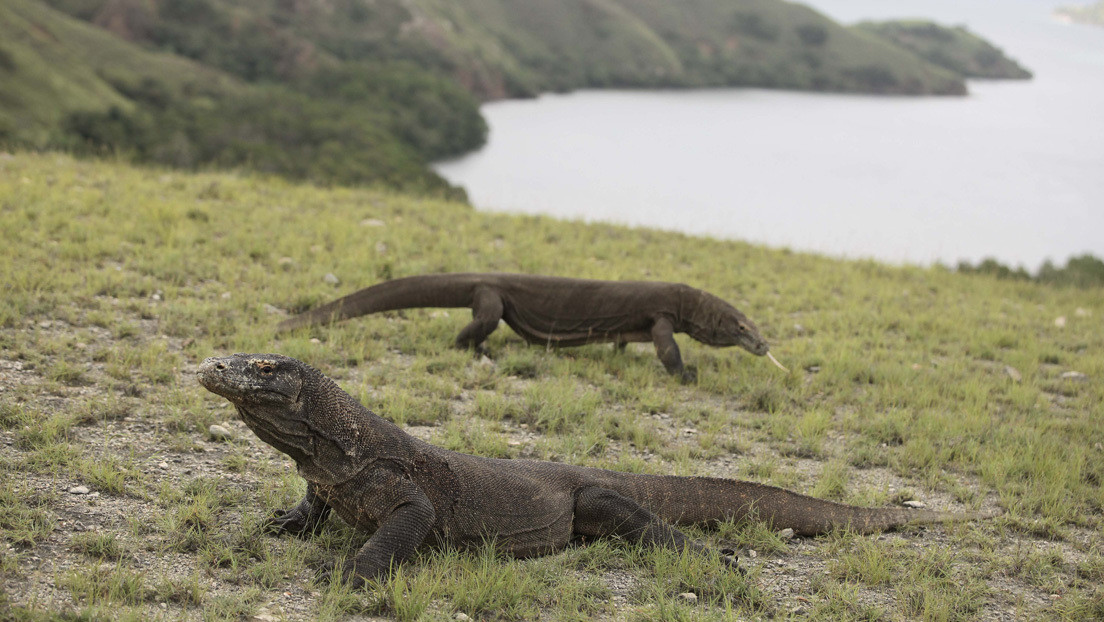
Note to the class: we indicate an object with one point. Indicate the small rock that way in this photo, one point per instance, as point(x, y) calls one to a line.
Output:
point(486, 361)
point(786, 534)
point(273, 310)
point(438, 313)
point(93, 495)
point(1074, 375)
point(919, 505)
point(799, 329)
point(689, 431)
point(798, 610)
point(285, 261)
point(752, 553)
point(315, 340)
point(331, 278)
point(812, 369)
point(156, 296)
point(163, 605)
point(219, 433)
point(1080, 312)
point(381, 248)
point(1013, 373)
point(44, 324)
point(372, 222)
point(263, 616)
point(1060, 321)
point(79, 490)
point(226, 295)
point(689, 597)
point(462, 617)
point(163, 465)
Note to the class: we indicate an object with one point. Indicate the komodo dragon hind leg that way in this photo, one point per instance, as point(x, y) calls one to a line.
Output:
point(487, 311)
point(604, 512)
point(305, 519)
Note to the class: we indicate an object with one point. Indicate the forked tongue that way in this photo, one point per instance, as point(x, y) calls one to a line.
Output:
point(775, 361)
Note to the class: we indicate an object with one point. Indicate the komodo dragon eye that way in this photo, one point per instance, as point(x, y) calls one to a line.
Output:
point(266, 369)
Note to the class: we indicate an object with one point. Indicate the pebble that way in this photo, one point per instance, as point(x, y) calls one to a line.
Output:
point(1013, 373)
point(786, 534)
point(812, 369)
point(285, 261)
point(915, 504)
point(226, 295)
point(219, 433)
point(1074, 375)
point(315, 340)
point(79, 490)
point(1081, 312)
point(331, 278)
point(689, 597)
point(372, 222)
point(163, 465)
point(461, 616)
point(273, 310)
point(1060, 321)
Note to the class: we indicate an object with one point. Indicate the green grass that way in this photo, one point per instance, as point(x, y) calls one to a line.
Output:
point(910, 400)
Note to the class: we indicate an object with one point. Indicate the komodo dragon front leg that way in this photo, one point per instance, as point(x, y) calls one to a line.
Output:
point(663, 335)
point(403, 516)
point(304, 519)
point(603, 512)
point(487, 309)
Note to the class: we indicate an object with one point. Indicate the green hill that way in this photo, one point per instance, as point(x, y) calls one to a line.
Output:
point(956, 49)
point(962, 392)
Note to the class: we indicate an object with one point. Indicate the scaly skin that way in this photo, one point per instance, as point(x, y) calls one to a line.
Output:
point(560, 312)
point(377, 477)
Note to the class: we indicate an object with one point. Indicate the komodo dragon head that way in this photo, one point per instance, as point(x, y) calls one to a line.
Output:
point(279, 397)
point(716, 323)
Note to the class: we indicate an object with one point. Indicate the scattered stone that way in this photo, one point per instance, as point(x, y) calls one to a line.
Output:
point(273, 310)
point(919, 505)
point(372, 222)
point(226, 295)
point(79, 490)
point(1081, 312)
point(486, 361)
point(263, 616)
point(1013, 373)
point(689, 431)
point(799, 329)
point(1074, 375)
point(331, 278)
point(156, 296)
point(164, 466)
point(315, 340)
point(752, 553)
point(44, 324)
point(812, 369)
point(219, 433)
point(689, 597)
point(1060, 321)
point(438, 313)
point(786, 534)
point(461, 616)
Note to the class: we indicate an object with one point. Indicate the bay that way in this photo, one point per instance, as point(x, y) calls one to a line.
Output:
point(1014, 171)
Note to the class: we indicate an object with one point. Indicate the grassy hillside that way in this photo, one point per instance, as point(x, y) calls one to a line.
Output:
point(52, 66)
point(956, 49)
point(962, 392)
point(72, 85)
point(1084, 14)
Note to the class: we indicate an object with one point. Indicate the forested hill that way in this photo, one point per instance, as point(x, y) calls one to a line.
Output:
point(359, 91)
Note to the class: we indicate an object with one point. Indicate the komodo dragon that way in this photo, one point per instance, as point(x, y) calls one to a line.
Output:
point(557, 311)
point(379, 478)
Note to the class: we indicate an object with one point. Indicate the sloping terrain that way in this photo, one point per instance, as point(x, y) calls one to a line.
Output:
point(956, 49)
point(119, 501)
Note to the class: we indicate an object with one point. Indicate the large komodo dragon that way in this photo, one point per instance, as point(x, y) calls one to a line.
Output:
point(379, 478)
point(558, 311)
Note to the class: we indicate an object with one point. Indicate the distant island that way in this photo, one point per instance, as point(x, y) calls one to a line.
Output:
point(369, 92)
point(1084, 14)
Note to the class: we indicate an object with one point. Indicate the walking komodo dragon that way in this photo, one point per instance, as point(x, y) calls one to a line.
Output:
point(558, 312)
point(409, 492)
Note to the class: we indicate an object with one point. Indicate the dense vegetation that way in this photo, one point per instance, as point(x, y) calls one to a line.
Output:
point(956, 49)
point(1081, 271)
point(350, 91)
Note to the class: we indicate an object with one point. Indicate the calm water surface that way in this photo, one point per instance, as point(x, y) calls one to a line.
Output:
point(1014, 171)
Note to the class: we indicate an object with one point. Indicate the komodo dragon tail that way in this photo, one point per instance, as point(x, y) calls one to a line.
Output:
point(429, 290)
point(697, 500)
